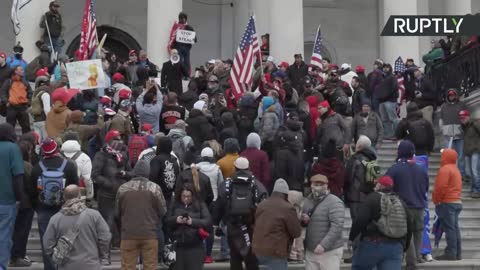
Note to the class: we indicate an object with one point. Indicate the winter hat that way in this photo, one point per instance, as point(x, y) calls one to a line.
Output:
point(360, 69)
point(132, 52)
point(366, 101)
point(3, 55)
point(345, 66)
point(71, 136)
point(76, 117)
point(319, 178)
point(227, 118)
point(253, 140)
point(207, 152)
point(124, 93)
point(452, 92)
point(203, 97)
point(242, 163)
point(412, 107)
point(142, 169)
point(231, 145)
point(385, 181)
point(379, 62)
point(324, 104)
point(463, 113)
point(111, 135)
point(271, 59)
point(106, 101)
point(49, 146)
point(125, 105)
point(281, 186)
point(42, 75)
point(64, 95)
point(117, 77)
point(110, 112)
point(406, 149)
point(199, 105)
point(267, 102)
point(180, 124)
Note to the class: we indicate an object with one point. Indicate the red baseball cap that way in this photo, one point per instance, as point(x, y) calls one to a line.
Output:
point(385, 181)
point(132, 52)
point(112, 134)
point(284, 64)
point(3, 55)
point(463, 113)
point(324, 104)
point(360, 69)
point(64, 95)
point(118, 77)
point(125, 93)
point(147, 127)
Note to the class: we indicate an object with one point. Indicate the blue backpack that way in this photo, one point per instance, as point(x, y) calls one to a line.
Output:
point(52, 183)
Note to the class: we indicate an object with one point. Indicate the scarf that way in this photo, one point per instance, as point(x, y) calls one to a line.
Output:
point(73, 207)
point(118, 156)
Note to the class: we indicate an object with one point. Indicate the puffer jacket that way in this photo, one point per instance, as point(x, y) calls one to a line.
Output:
point(106, 170)
point(205, 194)
point(269, 125)
point(355, 188)
point(372, 128)
point(187, 236)
point(150, 113)
point(58, 119)
point(449, 121)
point(84, 164)
point(198, 127)
point(214, 174)
point(326, 223)
point(471, 142)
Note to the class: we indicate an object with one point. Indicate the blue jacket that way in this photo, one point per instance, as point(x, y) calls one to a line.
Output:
point(410, 183)
point(13, 62)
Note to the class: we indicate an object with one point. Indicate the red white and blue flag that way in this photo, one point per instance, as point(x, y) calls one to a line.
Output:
point(88, 37)
point(243, 65)
point(316, 59)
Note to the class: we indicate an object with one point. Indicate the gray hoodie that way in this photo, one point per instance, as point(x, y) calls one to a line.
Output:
point(214, 173)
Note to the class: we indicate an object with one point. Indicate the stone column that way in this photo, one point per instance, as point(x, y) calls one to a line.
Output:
point(261, 9)
point(286, 29)
point(240, 20)
point(393, 47)
point(30, 16)
point(161, 16)
point(458, 7)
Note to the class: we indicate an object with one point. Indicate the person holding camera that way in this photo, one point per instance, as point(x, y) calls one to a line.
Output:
point(187, 219)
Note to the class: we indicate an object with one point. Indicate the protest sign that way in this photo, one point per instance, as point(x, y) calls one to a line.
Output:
point(86, 74)
point(185, 36)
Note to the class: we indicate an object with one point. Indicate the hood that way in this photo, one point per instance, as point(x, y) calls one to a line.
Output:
point(59, 107)
point(195, 113)
point(369, 153)
point(70, 146)
point(412, 107)
point(165, 145)
point(449, 156)
point(254, 140)
point(227, 119)
point(7, 133)
point(294, 125)
point(267, 102)
point(177, 133)
point(247, 101)
point(406, 150)
point(312, 102)
point(207, 167)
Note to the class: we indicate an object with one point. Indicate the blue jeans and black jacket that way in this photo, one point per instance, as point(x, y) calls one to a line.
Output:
point(388, 114)
point(384, 255)
point(44, 214)
point(472, 168)
point(448, 215)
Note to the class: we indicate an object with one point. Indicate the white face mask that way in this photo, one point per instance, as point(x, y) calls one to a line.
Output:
point(319, 190)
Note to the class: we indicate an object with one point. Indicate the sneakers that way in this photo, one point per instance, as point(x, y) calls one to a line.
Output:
point(446, 257)
point(208, 259)
point(20, 262)
point(428, 257)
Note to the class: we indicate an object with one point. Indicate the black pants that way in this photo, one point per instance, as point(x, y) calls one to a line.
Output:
point(190, 258)
point(23, 224)
point(106, 207)
point(19, 113)
point(236, 259)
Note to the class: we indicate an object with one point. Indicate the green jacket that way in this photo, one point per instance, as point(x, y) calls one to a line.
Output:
point(471, 142)
point(434, 54)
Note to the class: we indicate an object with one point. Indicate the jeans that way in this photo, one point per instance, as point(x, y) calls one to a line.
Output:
point(57, 44)
point(382, 255)
point(20, 114)
point(7, 224)
point(43, 217)
point(457, 145)
point(472, 168)
point(224, 248)
point(23, 224)
point(448, 215)
point(39, 128)
point(184, 53)
point(130, 250)
point(388, 114)
point(272, 263)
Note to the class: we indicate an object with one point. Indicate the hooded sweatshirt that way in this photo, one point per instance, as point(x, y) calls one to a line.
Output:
point(150, 113)
point(448, 183)
point(258, 159)
point(84, 164)
point(214, 173)
point(58, 119)
point(449, 121)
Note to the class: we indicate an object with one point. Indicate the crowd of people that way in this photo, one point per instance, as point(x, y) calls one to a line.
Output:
point(170, 167)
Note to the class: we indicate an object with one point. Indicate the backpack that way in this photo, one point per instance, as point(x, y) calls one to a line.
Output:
point(137, 144)
point(372, 171)
point(66, 242)
point(241, 194)
point(37, 104)
point(416, 132)
point(393, 216)
point(51, 184)
point(74, 161)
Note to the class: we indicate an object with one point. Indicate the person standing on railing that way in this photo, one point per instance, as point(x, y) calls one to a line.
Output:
point(425, 95)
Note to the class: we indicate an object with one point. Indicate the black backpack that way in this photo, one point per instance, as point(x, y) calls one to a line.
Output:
point(241, 194)
point(416, 132)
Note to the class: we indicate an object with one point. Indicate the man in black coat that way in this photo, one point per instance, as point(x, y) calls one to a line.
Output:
point(297, 71)
point(172, 73)
point(425, 95)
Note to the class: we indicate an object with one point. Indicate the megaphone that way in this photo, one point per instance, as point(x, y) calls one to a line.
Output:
point(175, 58)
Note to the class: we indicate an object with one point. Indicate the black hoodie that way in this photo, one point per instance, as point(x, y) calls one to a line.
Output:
point(288, 160)
point(291, 128)
point(416, 129)
point(164, 168)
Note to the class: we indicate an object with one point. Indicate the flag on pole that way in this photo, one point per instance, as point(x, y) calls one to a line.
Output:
point(242, 70)
point(16, 6)
point(173, 34)
point(88, 40)
point(316, 59)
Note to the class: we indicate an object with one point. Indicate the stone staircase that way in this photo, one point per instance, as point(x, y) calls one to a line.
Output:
point(469, 223)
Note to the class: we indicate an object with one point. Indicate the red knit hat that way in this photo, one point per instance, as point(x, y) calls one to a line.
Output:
point(147, 127)
point(111, 134)
point(385, 181)
point(360, 69)
point(117, 77)
point(124, 93)
point(324, 104)
point(131, 52)
point(64, 95)
point(49, 146)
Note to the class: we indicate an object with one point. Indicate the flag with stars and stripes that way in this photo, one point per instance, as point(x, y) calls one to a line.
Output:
point(242, 70)
point(316, 59)
point(88, 37)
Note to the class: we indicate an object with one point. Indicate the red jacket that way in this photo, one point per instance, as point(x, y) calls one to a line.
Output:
point(334, 170)
point(259, 165)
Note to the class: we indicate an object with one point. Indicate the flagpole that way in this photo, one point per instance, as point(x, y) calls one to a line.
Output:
point(53, 56)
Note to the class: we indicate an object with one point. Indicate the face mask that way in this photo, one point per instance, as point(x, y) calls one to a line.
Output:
point(319, 190)
point(364, 114)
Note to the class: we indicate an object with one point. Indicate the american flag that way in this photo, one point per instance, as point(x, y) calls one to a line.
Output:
point(88, 40)
point(317, 47)
point(241, 73)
